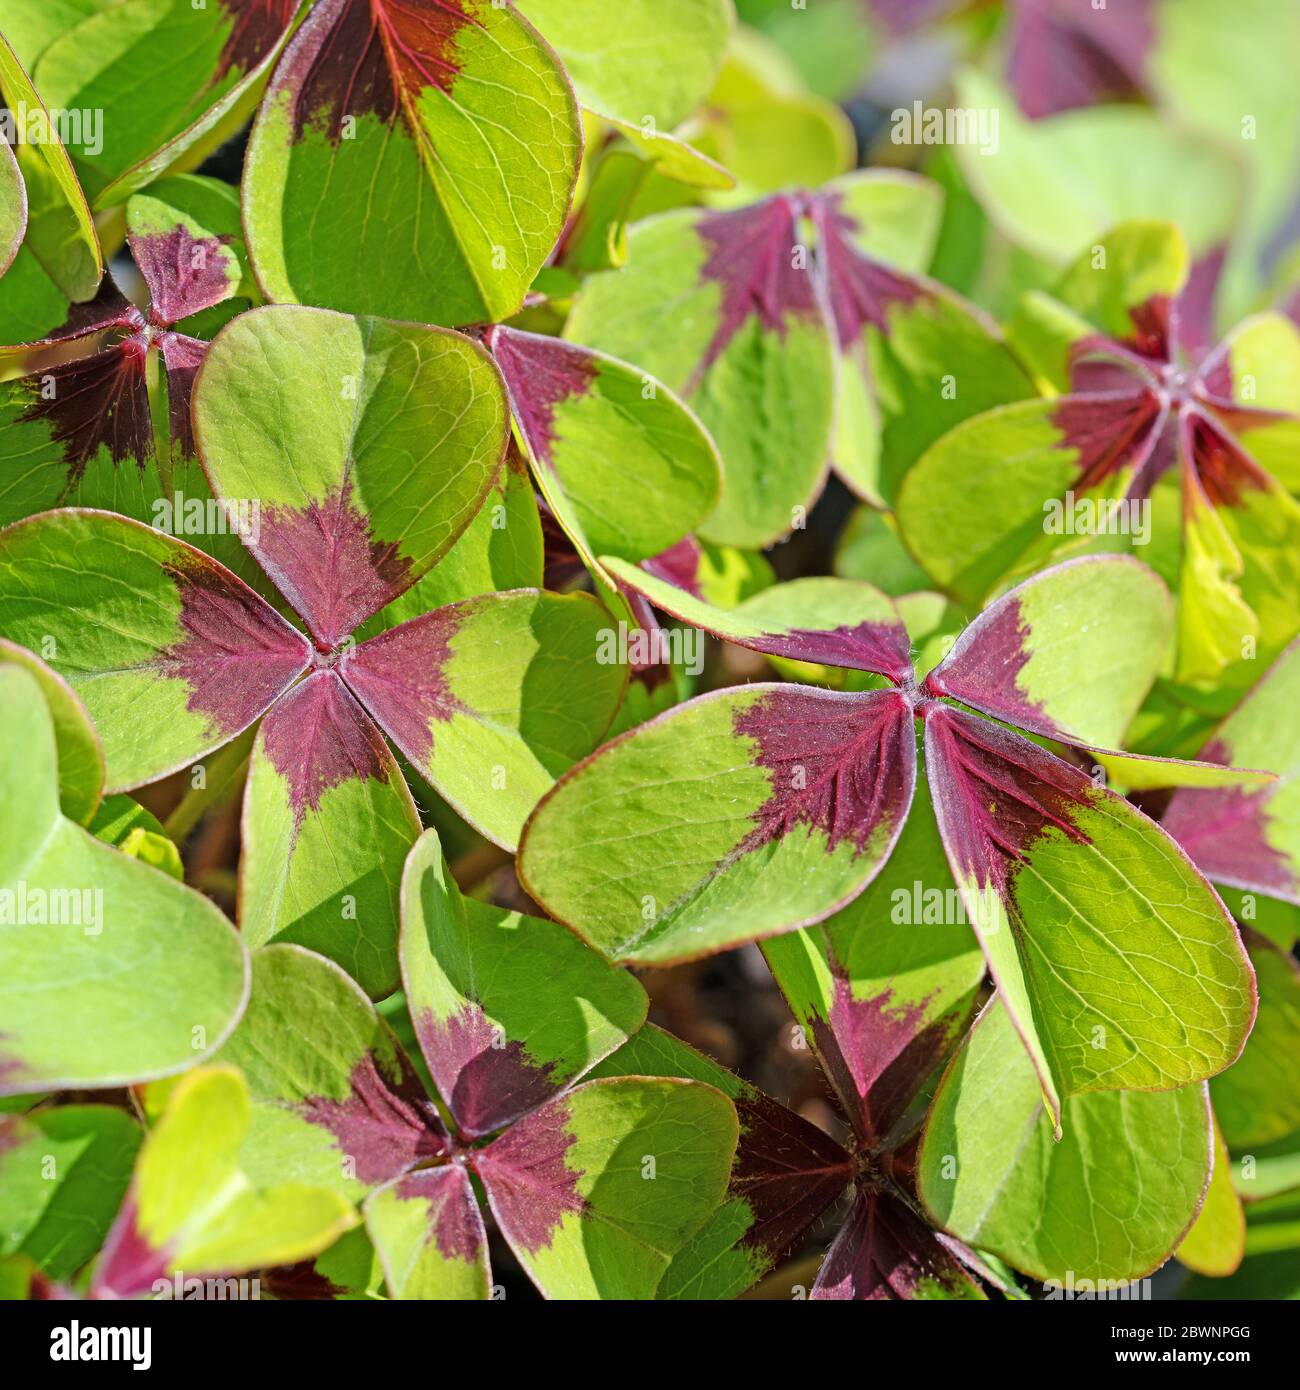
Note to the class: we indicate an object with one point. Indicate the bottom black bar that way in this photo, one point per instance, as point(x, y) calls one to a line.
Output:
point(56, 1339)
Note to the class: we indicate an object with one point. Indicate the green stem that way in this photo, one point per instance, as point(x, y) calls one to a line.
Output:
point(225, 771)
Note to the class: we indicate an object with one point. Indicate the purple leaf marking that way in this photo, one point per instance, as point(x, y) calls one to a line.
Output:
point(96, 401)
point(1112, 430)
point(1068, 53)
point(258, 25)
point(540, 373)
point(399, 676)
point(1194, 310)
point(995, 795)
point(455, 1222)
point(182, 356)
point(529, 1183)
point(238, 655)
point(13, 1070)
point(1153, 328)
point(109, 309)
point(11, 1133)
point(877, 1054)
point(882, 648)
point(184, 273)
point(1224, 469)
point(860, 291)
point(128, 1264)
point(984, 666)
point(370, 57)
point(485, 1081)
point(324, 560)
point(787, 1170)
point(904, 16)
point(385, 1125)
point(844, 765)
point(1225, 831)
point(751, 256)
point(561, 563)
point(679, 566)
point(883, 1251)
point(301, 1283)
point(318, 738)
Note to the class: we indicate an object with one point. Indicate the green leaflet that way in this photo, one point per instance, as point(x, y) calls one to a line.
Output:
point(100, 928)
point(335, 1103)
point(1051, 186)
point(428, 1232)
point(133, 646)
point(918, 359)
point(206, 210)
point(626, 468)
point(31, 31)
point(648, 61)
point(936, 366)
point(1136, 262)
point(600, 1188)
point(1131, 266)
point(1273, 1225)
point(764, 125)
point(991, 1173)
point(352, 1268)
point(327, 822)
point(1263, 360)
point(1269, 1170)
point(1070, 653)
point(1207, 56)
point(32, 305)
point(1268, 1276)
point(476, 190)
point(1217, 1240)
point(975, 507)
point(493, 698)
point(373, 433)
point(13, 208)
point(201, 69)
point(709, 833)
point(830, 44)
point(596, 238)
point(193, 1209)
point(60, 232)
point(870, 550)
point(500, 549)
point(1277, 921)
point(1264, 532)
point(63, 1172)
point(673, 159)
point(718, 1262)
point(496, 1045)
point(761, 383)
point(1108, 947)
point(80, 757)
point(1215, 623)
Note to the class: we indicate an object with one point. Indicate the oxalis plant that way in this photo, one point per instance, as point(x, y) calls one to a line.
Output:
point(615, 688)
